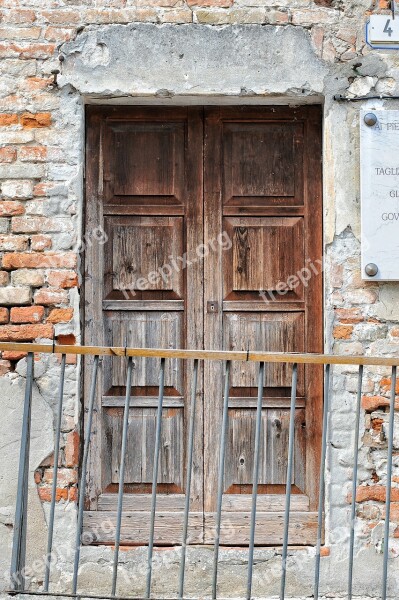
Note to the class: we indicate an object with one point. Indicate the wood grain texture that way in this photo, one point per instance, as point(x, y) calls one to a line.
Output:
point(269, 527)
point(147, 184)
point(266, 502)
point(99, 527)
point(162, 182)
point(254, 241)
point(255, 160)
point(204, 355)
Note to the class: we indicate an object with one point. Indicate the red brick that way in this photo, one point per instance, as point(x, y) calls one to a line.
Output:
point(310, 16)
point(128, 15)
point(45, 494)
point(27, 277)
point(42, 188)
point(20, 33)
point(342, 332)
point(6, 120)
point(348, 315)
point(27, 50)
point(33, 153)
point(39, 242)
point(60, 315)
point(65, 476)
point(386, 383)
point(317, 34)
point(371, 403)
point(38, 83)
point(37, 224)
point(63, 279)
point(394, 513)
point(61, 16)
point(7, 154)
point(5, 367)
point(71, 359)
point(18, 260)
point(217, 3)
point(66, 339)
point(377, 493)
point(10, 355)
point(4, 277)
point(12, 243)
point(30, 121)
point(27, 314)
point(20, 333)
point(14, 295)
point(49, 296)
point(58, 34)
point(19, 16)
point(73, 494)
point(9, 208)
point(72, 449)
point(376, 424)
point(3, 315)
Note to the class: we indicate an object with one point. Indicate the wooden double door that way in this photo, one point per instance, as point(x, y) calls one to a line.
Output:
point(210, 224)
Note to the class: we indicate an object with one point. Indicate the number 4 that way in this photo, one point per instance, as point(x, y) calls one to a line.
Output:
point(388, 29)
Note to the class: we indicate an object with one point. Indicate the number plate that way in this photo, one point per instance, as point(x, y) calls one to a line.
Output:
point(383, 30)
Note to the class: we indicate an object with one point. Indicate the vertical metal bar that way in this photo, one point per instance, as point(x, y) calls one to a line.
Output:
point(55, 473)
point(291, 444)
point(189, 473)
point(222, 453)
point(122, 473)
point(155, 477)
point(389, 485)
point(19, 539)
point(82, 483)
point(354, 482)
point(322, 479)
point(255, 477)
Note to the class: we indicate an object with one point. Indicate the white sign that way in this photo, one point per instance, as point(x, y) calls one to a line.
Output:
point(382, 31)
point(379, 160)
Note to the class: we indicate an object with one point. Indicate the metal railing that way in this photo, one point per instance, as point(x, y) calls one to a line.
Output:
point(18, 584)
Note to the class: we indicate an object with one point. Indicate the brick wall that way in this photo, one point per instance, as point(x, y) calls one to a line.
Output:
point(37, 213)
point(40, 214)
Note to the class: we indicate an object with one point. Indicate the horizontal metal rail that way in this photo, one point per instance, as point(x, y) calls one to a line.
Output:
point(267, 357)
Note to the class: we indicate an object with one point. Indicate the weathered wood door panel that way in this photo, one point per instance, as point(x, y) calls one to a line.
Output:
point(244, 183)
point(144, 189)
point(263, 190)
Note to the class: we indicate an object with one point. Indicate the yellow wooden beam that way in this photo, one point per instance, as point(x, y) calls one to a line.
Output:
point(269, 357)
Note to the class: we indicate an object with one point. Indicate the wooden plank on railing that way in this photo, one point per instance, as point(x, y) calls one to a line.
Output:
point(268, 357)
